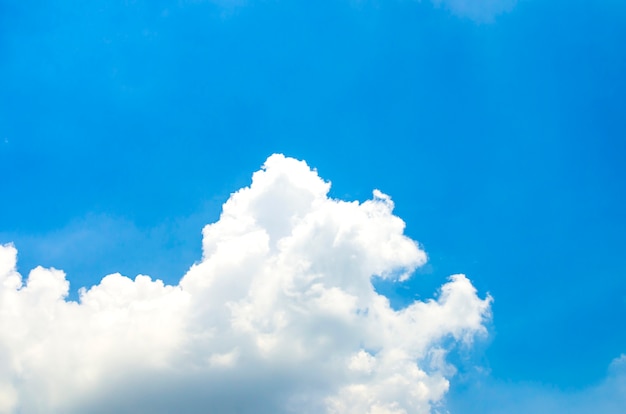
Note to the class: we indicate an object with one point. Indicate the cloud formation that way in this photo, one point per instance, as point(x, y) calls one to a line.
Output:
point(279, 316)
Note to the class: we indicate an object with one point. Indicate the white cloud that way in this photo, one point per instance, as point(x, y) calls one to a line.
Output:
point(480, 10)
point(279, 316)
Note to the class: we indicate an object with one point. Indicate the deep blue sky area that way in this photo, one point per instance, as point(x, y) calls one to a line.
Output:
point(124, 125)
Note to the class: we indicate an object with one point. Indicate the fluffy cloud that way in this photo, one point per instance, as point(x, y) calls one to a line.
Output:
point(279, 316)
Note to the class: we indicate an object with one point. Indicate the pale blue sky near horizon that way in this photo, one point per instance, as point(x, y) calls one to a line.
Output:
point(124, 125)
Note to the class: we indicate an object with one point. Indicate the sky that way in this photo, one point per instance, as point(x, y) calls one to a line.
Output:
point(436, 222)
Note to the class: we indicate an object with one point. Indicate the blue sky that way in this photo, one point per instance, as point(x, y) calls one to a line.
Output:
point(499, 132)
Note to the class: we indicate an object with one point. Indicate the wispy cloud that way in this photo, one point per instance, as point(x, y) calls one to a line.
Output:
point(279, 316)
point(479, 10)
point(485, 395)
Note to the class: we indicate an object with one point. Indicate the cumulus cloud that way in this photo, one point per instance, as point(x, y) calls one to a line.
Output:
point(480, 10)
point(279, 315)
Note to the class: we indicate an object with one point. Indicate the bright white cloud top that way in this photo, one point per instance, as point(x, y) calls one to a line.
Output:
point(280, 315)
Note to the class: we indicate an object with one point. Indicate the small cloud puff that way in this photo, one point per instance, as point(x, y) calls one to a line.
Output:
point(279, 316)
